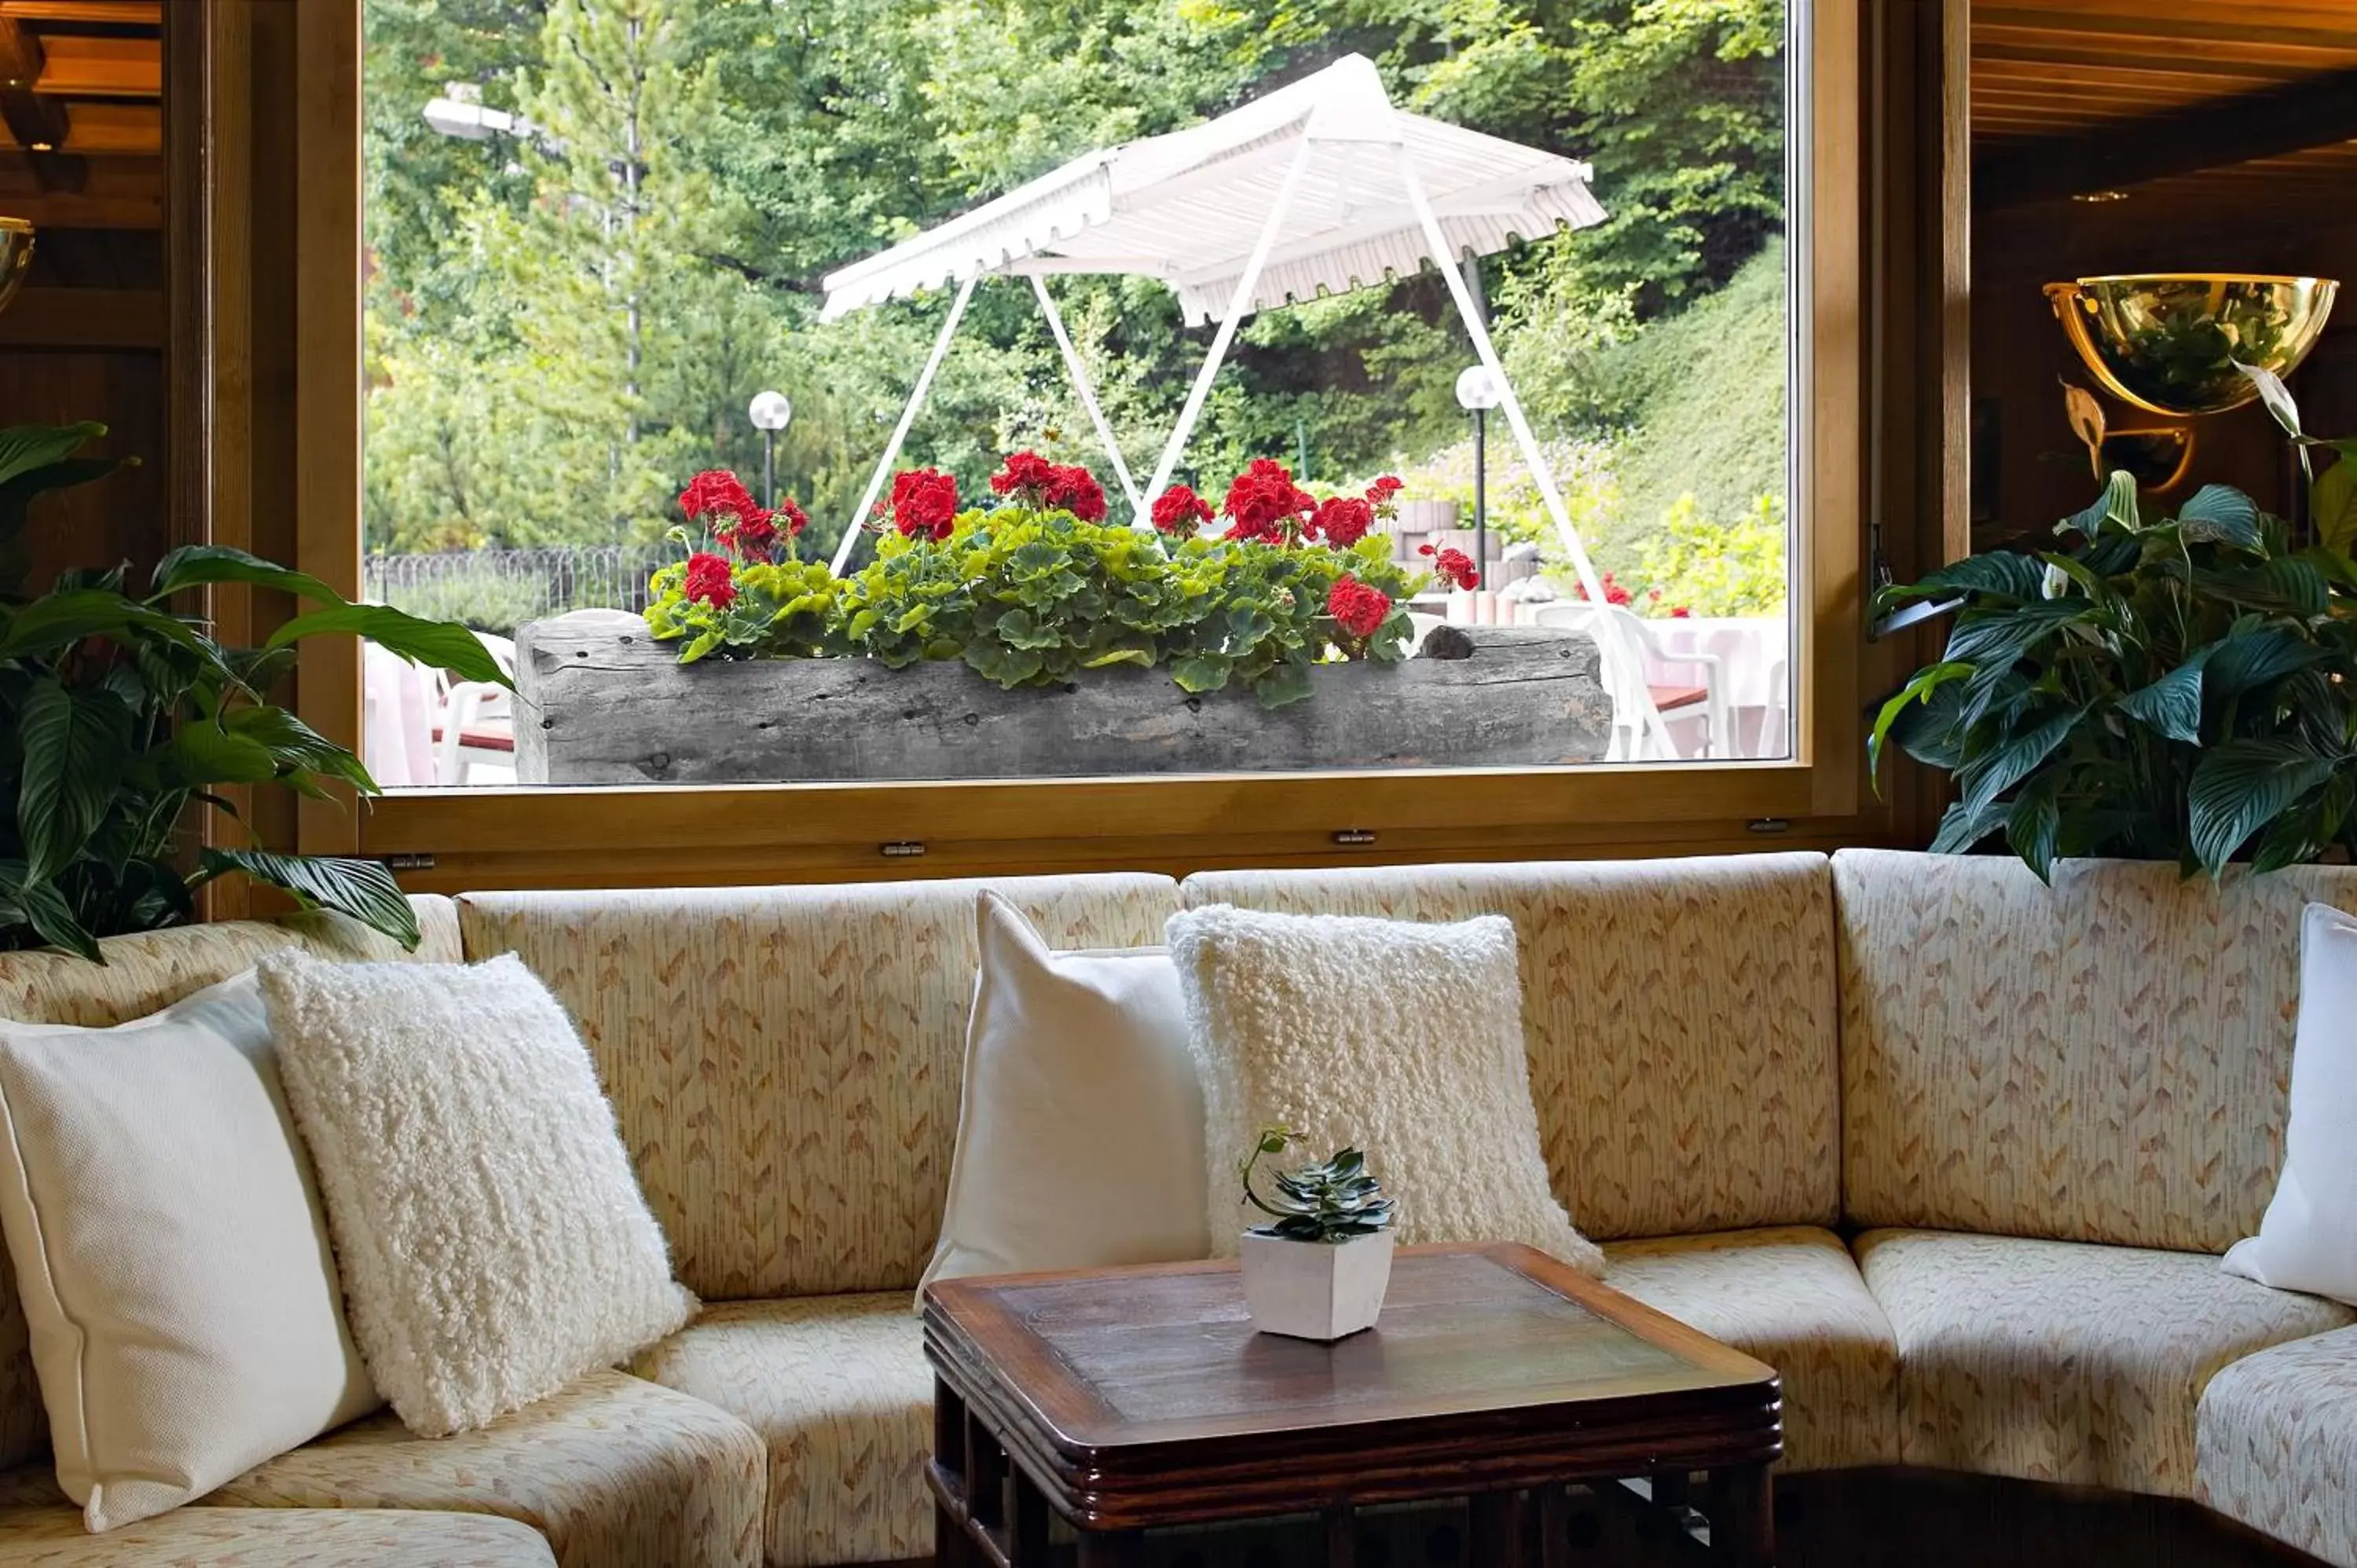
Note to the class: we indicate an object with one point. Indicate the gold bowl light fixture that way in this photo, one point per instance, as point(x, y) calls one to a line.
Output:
point(16, 257)
point(2169, 342)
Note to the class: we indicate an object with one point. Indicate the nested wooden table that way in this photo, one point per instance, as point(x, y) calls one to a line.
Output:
point(1123, 1400)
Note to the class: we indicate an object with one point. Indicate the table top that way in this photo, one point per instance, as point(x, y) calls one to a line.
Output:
point(1150, 1371)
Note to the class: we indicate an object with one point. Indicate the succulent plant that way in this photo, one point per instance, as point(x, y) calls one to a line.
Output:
point(1332, 1200)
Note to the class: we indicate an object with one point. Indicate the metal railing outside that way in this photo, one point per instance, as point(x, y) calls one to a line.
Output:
point(498, 590)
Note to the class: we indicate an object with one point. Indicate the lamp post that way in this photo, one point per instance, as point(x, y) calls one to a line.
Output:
point(770, 412)
point(1477, 393)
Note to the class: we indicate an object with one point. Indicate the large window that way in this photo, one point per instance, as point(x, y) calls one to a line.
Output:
point(1587, 278)
point(614, 245)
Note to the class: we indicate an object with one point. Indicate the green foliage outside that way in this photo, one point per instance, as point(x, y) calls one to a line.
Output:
point(564, 325)
point(1031, 598)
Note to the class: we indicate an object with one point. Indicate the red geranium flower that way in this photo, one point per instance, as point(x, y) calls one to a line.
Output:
point(792, 516)
point(753, 539)
point(924, 502)
point(1359, 608)
point(1614, 594)
point(1074, 489)
point(1024, 471)
point(718, 491)
point(1454, 566)
point(1179, 511)
point(1344, 520)
point(708, 580)
point(1384, 488)
point(1264, 504)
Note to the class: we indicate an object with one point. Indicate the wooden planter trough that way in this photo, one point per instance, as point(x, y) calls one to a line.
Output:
point(599, 701)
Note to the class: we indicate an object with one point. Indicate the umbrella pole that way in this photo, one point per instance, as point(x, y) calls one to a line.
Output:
point(900, 431)
point(1610, 640)
point(1081, 384)
point(1237, 303)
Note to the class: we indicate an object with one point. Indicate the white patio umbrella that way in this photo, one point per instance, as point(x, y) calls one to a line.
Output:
point(1320, 187)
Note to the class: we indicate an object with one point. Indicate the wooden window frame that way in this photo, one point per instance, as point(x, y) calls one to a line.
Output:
point(462, 837)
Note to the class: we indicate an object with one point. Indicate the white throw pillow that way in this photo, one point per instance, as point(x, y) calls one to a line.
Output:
point(1080, 1138)
point(1404, 1040)
point(2308, 1240)
point(494, 1242)
point(174, 1263)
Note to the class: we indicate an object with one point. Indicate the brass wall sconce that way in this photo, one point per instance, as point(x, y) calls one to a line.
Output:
point(2169, 342)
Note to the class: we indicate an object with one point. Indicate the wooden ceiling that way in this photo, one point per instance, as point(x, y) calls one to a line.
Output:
point(2182, 92)
point(81, 118)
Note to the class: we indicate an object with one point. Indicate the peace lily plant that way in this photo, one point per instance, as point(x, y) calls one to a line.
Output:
point(121, 719)
point(2175, 688)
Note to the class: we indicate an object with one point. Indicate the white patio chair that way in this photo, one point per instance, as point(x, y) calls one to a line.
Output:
point(476, 728)
point(1633, 697)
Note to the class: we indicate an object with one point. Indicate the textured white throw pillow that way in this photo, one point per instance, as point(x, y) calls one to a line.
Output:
point(171, 1254)
point(2308, 1240)
point(1405, 1040)
point(493, 1240)
point(1080, 1137)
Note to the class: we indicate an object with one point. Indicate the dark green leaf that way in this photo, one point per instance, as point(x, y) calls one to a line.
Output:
point(2241, 786)
point(363, 889)
point(2116, 508)
point(76, 744)
point(41, 908)
point(59, 620)
point(2004, 572)
point(1919, 690)
point(2249, 659)
point(2172, 704)
point(202, 751)
point(438, 644)
point(2034, 826)
point(2332, 506)
point(2286, 583)
point(1960, 830)
point(2220, 514)
point(193, 565)
point(1993, 772)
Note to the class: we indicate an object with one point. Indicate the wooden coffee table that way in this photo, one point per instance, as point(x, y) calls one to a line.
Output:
point(1124, 1400)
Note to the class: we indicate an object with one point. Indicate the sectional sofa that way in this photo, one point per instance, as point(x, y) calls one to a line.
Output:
point(1954, 1151)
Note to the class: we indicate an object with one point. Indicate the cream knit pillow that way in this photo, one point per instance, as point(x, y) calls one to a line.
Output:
point(492, 1237)
point(1405, 1040)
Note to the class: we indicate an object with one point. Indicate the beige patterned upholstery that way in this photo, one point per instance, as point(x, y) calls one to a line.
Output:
point(839, 1388)
point(146, 975)
point(785, 1061)
point(2062, 1361)
point(1680, 1017)
point(2106, 1060)
point(1793, 1298)
point(617, 1473)
point(54, 1537)
point(2276, 1445)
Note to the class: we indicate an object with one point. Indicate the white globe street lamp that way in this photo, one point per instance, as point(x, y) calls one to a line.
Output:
point(1477, 393)
point(770, 412)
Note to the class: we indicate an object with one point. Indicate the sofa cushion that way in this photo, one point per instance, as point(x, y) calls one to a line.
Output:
point(2276, 1444)
point(784, 1061)
point(2106, 1059)
point(271, 1537)
point(616, 1472)
point(839, 1388)
point(1793, 1297)
point(144, 975)
point(1679, 1016)
point(2062, 1361)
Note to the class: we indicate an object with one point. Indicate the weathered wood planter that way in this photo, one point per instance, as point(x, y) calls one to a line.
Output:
point(599, 701)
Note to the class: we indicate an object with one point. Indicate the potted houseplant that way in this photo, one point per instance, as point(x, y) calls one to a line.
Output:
point(1317, 1268)
point(2180, 688)
point(123, 719)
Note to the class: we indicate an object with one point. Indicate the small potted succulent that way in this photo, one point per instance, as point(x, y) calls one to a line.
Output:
point(1317, 1268)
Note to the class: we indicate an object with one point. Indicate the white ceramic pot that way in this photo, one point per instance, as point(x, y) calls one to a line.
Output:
point(1315, 1289)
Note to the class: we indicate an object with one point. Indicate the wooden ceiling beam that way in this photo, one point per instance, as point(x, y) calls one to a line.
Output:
point(77, 66)
point(66, 210)
point(100, 13)
point(2315, 111)
point(38, 124)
